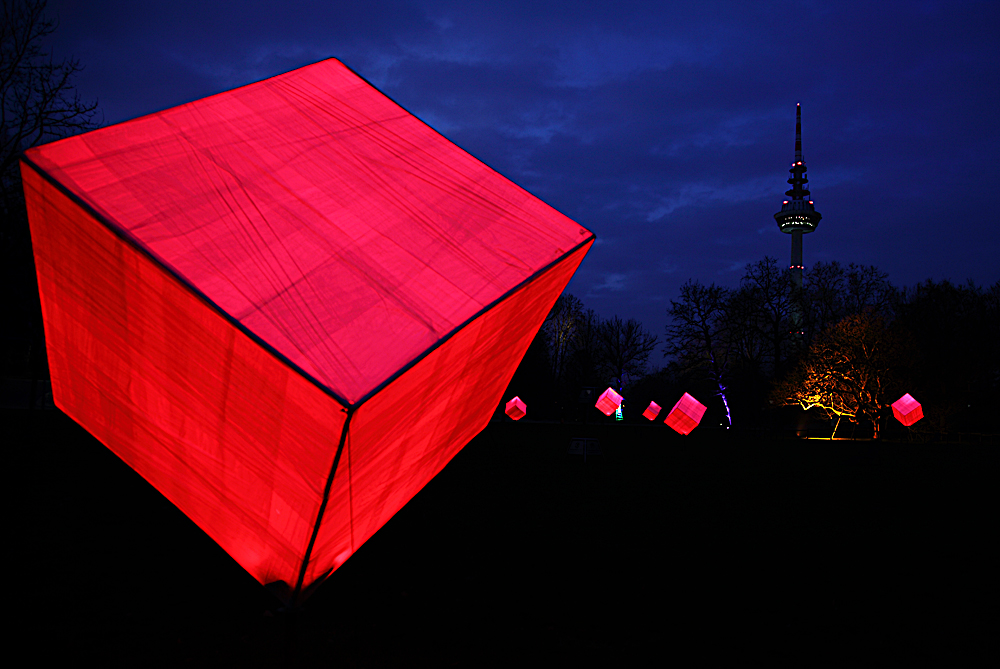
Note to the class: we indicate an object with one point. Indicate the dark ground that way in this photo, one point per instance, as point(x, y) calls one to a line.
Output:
point(663, 549)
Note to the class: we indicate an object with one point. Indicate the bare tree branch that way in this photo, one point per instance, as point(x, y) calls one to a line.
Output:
point(39, 100)
point(849, 372)
point(698, 337)
point(625, 347)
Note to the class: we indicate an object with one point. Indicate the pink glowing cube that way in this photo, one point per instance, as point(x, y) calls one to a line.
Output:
point(686, 414)
point(907, 410)
point(516, 409)
point(652, 411)
point(608, 402)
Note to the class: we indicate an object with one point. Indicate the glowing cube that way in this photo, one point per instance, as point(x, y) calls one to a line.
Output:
point(608, 402)
point(287, 306)
point(516, 409)
point(652, 411)
point(907, 410)
point(685, 415)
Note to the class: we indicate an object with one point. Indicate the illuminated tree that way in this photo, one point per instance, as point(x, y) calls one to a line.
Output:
point(698, 335)
point(850, 371)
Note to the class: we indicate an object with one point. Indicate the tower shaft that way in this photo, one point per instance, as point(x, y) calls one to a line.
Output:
point(796, 265)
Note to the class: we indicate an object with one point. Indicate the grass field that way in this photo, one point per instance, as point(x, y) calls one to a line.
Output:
point(663, 549)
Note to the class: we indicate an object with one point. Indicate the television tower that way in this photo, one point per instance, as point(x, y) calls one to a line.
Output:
point(797, 216)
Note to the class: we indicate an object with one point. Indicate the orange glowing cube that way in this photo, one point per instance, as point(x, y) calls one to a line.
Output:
point(907, 410)
point(685, 415)
point(516, 409)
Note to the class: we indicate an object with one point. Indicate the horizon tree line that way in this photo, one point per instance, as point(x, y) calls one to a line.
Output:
point(859, 344)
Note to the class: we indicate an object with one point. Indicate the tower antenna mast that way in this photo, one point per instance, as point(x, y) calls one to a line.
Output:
point(798, 216)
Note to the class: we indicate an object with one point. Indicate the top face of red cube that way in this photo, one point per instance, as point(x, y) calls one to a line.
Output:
point(320, 216)
point(690, 407)
point(905, 404)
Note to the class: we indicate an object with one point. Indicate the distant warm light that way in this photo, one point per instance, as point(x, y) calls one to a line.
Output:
point(686, 414)
point(516, 409)
point(907, 410)
point(652, 411)
point(608, 402)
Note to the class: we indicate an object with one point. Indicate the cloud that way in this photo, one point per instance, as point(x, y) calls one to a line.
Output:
point(614, 282)
point(736, 266)
point(700, 193)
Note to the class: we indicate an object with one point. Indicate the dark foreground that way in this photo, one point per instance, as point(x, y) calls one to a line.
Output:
point(663, 549)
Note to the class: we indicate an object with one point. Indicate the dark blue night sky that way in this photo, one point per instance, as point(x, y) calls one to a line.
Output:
point(667, 131)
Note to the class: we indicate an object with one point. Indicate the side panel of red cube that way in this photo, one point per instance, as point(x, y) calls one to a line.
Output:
point(237, 440)
point(403, 436)
point(686, 414)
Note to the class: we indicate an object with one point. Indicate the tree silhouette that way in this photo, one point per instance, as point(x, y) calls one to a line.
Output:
point(955, 329)
point(624, 350)
point(583, 365)
point(562, 327)
point(698, 335)
point(832, 292)
point(39, 104)
point(763, 307)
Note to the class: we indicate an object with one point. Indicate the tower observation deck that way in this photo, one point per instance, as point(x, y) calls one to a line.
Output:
point(798, 216)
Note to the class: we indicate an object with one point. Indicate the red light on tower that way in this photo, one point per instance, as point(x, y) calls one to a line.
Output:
point(907, 410)
point(608, 402)
point(686, 414)
point(516, 409)
point(652, 411)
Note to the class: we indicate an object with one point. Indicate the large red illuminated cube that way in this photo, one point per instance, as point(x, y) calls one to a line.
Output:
point(652, 411)
point(287, 306)
point(685, 415)
point(907, 410)
point(608, 402)
point(516, 409)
